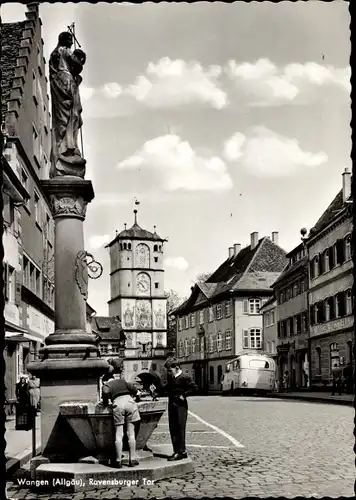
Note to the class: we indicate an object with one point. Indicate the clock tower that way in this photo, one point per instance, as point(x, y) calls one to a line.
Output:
point(138, 298)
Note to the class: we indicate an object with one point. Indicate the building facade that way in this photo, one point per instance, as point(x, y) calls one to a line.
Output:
point(222, 316)
point(291, 292)
point(270, 331)
point(331, 298)
point(138, 297)
point(29, 232)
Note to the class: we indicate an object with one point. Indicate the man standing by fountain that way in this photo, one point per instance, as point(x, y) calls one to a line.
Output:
point(178, 387)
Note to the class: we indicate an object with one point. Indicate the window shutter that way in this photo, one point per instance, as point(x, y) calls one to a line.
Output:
point(342, 308)
point(311, 269)
point(7, 209)
point(18, 281)
point(6, 280)
point(331, 257)
point(332, 307)
point(245, 306)
point(279, 329)
point(246, 339)
point(311, 315)
point(320, 264)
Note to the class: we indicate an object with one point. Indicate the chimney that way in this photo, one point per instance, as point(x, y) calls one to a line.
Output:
point(346, 184)
point(237, 248)
point(254, 240)
point(275, 237)
point(231, 252)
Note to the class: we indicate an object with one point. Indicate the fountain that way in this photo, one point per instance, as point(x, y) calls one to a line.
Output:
point(77, 432)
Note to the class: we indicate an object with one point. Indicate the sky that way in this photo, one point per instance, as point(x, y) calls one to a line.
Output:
point(220, 119)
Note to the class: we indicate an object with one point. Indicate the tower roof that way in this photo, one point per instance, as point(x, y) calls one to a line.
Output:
point(136, 233)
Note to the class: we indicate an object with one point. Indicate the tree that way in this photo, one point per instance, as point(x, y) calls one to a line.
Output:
point(202, 277)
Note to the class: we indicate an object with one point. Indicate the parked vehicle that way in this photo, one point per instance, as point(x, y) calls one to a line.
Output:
point(249, 372)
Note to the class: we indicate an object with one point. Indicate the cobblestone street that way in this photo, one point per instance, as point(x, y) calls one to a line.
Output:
point(251, 447)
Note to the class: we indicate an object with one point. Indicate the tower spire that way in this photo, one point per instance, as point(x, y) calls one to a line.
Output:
point(135, 215)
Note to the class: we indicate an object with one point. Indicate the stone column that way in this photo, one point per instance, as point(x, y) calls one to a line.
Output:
point(70, 365)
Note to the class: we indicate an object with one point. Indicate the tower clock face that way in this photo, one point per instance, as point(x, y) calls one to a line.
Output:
point(143, 283)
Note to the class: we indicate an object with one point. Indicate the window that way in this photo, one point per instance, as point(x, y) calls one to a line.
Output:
point(295, 289)
point(36, 144)
point(288, 294)
point(334, 355)
point(228, 343)
point(211, 314)
point(268, 346)
point(211, 343)
point(305, 322)
point(201, 317)
point(9, 283)
point(349, 302)
point(25, 183)
point(155, 259)
point(218, 311)
point(180, 324)
point(302, 286)
point(211, 375)
point(228, 308)
point(192, 320)
point(37, 207)
point(155, 248)
point(186, 322)
point(254, 306)
point(180, 349)
point(318, 361)
point(291, 326)
point(326, 261)
point(8, 211)
point(327, 309)
point(186, 347)
point(214, 343)
point(38, 282)
point(272, 318)
point(193, 345)
point(281, 297)
point(252, 338)
point(298, 324)
point(219, 342)
point(34, 88)
point(316, 266)
point(220, 373)
point(340, 251)
point(348, 247)
point(156, 286)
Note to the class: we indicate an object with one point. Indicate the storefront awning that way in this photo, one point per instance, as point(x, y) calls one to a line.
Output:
point(21, 337)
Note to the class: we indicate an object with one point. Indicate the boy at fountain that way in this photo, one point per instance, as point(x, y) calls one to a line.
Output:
point(125, 411)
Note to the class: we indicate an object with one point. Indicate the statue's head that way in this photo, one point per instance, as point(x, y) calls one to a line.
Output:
point(65, 39)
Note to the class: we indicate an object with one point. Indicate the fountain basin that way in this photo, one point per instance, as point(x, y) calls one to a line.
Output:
point(93, 425)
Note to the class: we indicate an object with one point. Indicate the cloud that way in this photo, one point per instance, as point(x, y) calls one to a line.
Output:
point(268, 84)
point(232, 147)
point(170, 83)
point(98, 241)
point(179, 166)
point(178, 263)
point(268, 154)
point(112, 90)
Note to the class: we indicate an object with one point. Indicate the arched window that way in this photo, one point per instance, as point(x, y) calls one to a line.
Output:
point(211, 375)
point(327, 309)
point(220, 373)
point(348, 247)
point(121, 247)
point(326, 260)
point(316, 266)
point(318, 361)
point(349, 308)
point(193, 345)
point(155, 248)
point(125, 246)
point(129, 246)
point(180, 349)
point(160, 248)
point(349, 351)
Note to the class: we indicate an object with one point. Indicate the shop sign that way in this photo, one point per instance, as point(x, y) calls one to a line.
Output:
point(331, 326)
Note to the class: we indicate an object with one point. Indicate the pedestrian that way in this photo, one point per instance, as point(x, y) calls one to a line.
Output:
point(178, 387)
point(286, 381)
point(348, 378)
point(22, 392)
point(34, 392)
point(125, 411)
point(337, 376)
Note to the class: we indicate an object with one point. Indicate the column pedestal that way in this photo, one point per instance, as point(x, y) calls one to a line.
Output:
point(70, 365)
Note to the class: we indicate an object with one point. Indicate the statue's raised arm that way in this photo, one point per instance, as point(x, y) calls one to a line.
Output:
point(65, 67)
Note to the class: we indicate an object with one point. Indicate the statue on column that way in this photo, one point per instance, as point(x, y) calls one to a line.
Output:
point(65, 67)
